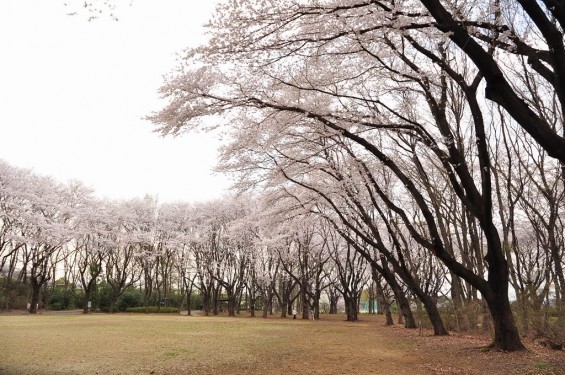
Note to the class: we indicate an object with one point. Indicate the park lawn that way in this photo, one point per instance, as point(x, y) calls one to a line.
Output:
point(174, 344)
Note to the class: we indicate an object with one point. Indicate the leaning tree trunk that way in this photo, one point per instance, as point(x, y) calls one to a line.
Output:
point(429, 303)
point(433, 314)
point(402, 301)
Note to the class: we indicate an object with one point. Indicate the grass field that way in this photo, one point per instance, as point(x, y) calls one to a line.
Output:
point(165, 344)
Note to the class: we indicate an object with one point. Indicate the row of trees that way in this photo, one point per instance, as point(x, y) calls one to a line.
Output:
point(235, 252)
point(56, 236)
point(428, 134)
point(416, 142)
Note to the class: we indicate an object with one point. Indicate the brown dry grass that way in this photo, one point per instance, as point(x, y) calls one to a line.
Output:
point(159, 344)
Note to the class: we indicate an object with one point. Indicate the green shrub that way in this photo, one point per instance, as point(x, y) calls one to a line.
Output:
point(13, 294)
point(62, 299)
point(153, 309)
point(130, 298)
point(101, 297)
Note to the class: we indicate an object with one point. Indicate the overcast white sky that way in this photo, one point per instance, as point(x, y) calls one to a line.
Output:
point(73, 94)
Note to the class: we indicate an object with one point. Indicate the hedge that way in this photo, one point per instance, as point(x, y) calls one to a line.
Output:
point(153, 309)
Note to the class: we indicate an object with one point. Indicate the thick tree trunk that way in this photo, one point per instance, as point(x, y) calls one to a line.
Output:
point(86, 301)
point(189, 302)
point(334, 298)
point(265, 309)
point(388, 315)
point(216, 300)
point(351, 308)
point(506, 335)
point(333, 306)
point(231, 304)
point(88, 295)
point(316, 304)
point(284, 308)
point(206, 300)
point(434, 315)
point(252, 301)
point(267, 303)
point(35, 290)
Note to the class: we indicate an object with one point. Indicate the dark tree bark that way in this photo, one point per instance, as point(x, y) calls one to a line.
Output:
point(385, 305)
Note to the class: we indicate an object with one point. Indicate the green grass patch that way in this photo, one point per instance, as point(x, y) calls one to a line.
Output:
point(543, 366)
point(153, 310)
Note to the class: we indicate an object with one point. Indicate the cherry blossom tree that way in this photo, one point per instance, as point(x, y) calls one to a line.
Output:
point(121, 268)
point(232, 250)
point(12, 182)
point(174, 226)
point(43, 218)
point(92, 232)
point(530, 193)
point(351, 271)
point(379, 74)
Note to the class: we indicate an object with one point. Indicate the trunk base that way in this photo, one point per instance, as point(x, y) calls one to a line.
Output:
point(505, 347)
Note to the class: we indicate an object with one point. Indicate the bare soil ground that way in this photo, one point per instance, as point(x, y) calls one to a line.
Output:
point(171, 344)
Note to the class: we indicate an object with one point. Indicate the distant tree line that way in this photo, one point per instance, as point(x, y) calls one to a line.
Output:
point(63, 247)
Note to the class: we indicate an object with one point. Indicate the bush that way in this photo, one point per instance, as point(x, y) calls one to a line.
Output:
point(175, 299)
point(130, 298)
point(153, 309)
point(13, 294)
point(62, 299)
point(101, 297)
point(195, 301)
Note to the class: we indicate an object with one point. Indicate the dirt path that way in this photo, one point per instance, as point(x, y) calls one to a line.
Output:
point(368, 347)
